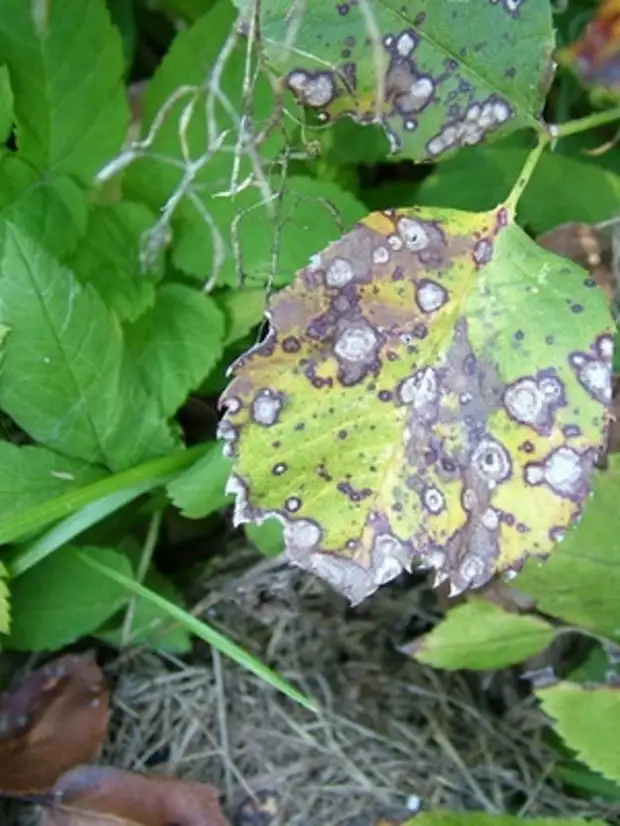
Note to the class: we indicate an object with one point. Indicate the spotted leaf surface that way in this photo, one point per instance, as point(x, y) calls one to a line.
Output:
point(434, 388)
point(436, 75)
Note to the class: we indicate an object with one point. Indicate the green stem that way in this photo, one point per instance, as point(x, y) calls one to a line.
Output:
point(526, 173)
point(151, 474)
point(573, 127)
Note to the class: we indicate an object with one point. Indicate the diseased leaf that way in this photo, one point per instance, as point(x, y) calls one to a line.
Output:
point(199, 491)
point(66, 379)
point(176, 344)
point(60, 600)
point(424, 395)
point(109, 258)
point(70, 105)
point(481, 635)
point(52, 720)
point(588, 720)
point(96, 795)
point(220, 239)
point(587, 246)
point(5, 610)
point(52, 208)
point(580, 583)
point(436, 75)
point(30, 475)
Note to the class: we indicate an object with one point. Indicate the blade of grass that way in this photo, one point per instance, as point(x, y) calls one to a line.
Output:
point(24, 558)
point(149, 475)
point(205, 632)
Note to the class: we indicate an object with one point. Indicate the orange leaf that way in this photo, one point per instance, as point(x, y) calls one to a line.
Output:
point(104, 796)
point(54, 719)
point(596, 55)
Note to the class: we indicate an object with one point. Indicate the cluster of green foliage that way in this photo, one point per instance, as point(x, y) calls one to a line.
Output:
point(136, 259)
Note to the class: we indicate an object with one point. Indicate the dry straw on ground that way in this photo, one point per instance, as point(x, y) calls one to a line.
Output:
point(391, 731)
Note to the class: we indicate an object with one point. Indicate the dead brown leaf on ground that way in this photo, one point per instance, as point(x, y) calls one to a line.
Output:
point(102, 796)
point(55, 718)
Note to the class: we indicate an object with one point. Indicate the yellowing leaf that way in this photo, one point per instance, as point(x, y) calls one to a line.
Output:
point(434, 389)
point(580, 583)
point(588, 720)
point(481, 635)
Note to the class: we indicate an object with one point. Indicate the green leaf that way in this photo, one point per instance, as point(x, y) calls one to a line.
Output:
point(148, 619)
point(109, 258)
point(66, 66)
point(6, 104)
point(310, 213)
point(66, 380)
point(481, 635)
point(580, 583)
point(61, 600)
point(52, 208)
point(436, 75)
point(199, 491)
point(176, 344)
point(446, 818)
point(595, 667)
point(243, 310)
point(123, 15)
point(87, 505)
point(188, 10)
point(588, 720)
point(268, 537)
point(5, 611)
point(204, 221)
point(587, 782)
point(31, 475)
point(483, 177)
point(433, 389)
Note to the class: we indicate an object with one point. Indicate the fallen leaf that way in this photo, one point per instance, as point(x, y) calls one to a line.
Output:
point(102, 796)
point(52, 720)
point(585, 245)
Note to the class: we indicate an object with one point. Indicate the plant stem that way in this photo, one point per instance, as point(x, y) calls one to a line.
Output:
point(146, 558)
point(526, 173)
point(573, 127)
